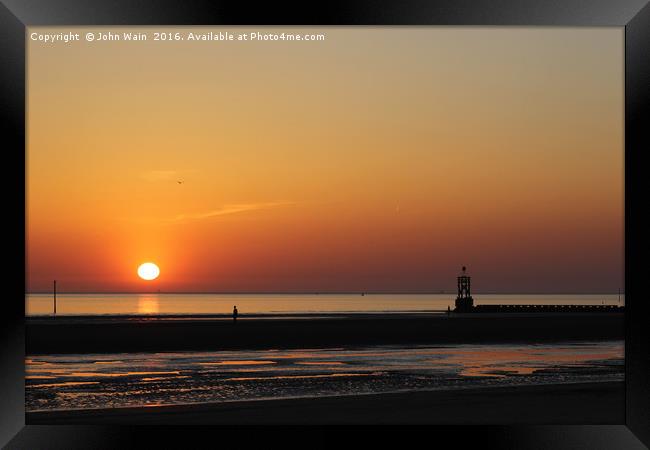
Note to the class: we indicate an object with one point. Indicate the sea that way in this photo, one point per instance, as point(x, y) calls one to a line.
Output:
point(269, 304)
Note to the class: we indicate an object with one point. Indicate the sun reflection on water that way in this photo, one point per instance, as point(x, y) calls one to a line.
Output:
point(148, 304)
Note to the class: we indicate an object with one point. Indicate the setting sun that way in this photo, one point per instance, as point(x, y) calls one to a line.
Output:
point(148, 271)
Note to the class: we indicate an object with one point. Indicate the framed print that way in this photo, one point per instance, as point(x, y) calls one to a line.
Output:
point(238, 214)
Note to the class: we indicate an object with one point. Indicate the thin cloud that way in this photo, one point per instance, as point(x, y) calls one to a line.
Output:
point(230, 209)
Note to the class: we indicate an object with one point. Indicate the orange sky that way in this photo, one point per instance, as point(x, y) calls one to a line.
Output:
point(378, 159)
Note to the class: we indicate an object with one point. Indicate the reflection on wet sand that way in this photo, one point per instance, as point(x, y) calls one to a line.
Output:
point(68, 383)
point(320, 363)
point(296, 377)
point(136, 379)
point(507, 361)
point(236, 363)
point(120, 374)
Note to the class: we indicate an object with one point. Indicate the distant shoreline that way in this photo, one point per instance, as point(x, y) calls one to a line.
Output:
point(115, 335)
point(577, 403)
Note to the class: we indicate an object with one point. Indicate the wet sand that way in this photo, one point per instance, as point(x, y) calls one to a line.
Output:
point(118, 334)
point(584, 403)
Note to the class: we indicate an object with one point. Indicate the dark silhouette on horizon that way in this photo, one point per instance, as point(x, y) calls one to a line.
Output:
point(234, 314)
point(464, 300)
point(465, 303)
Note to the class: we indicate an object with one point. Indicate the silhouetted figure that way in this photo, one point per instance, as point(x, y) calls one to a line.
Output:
point(448, 311)
point(234, 314)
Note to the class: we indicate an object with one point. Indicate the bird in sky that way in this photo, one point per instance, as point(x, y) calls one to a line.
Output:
point(180, 182)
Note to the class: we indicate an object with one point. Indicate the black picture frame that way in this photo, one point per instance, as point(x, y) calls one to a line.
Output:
point(634, 15)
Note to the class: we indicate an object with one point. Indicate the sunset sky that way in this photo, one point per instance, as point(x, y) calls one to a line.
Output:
point(380, 159)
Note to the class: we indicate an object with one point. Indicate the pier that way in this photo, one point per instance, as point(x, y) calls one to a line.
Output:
point(465, 303)
point(545, 308)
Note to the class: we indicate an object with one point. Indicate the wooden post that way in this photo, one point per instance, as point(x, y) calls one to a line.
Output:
point(55, 297)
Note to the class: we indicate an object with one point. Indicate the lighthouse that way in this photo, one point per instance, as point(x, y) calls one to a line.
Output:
point(464, 300)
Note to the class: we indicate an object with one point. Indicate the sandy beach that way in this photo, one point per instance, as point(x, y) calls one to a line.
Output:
point(584, 403)
point(119, 334)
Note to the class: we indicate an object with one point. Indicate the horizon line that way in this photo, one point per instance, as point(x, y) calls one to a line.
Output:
point(437, 292)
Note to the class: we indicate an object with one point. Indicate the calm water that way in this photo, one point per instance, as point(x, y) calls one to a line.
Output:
point(137, 379)
point(147, 304)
